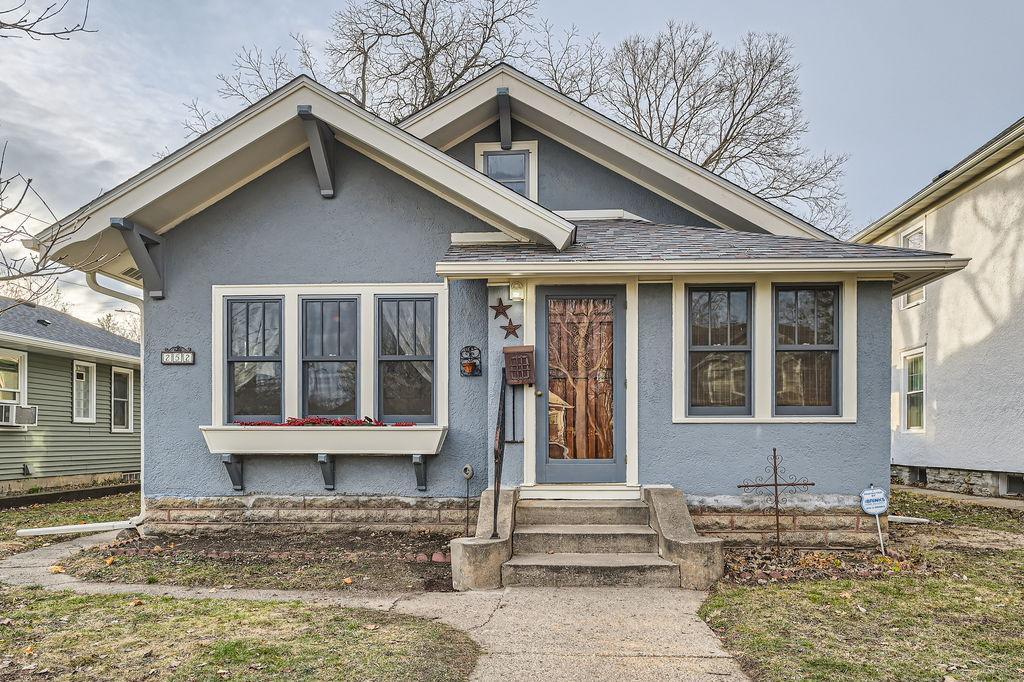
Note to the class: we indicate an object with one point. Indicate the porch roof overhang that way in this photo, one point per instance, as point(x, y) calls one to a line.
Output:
point(259, 139)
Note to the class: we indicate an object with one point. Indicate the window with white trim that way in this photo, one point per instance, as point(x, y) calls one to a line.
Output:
point(254, 368)
point(913, 239)
point(807, 349)
point(913, 390)
point(84, 392)
point(122, 399)
point(516, 168)
point(13, 376)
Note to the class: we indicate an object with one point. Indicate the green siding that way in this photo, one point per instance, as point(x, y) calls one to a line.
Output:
point(58, 446)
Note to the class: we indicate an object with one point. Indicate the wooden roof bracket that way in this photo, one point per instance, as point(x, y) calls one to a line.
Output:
point(145, 248)
point(321, 148)
point(505, 118)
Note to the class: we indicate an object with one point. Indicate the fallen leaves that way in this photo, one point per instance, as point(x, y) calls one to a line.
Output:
point(109, 560)
point(136, 602)
point(348, 581)
point(57, 568)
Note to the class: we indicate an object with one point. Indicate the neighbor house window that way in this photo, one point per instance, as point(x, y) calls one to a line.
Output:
point(806, 349)
point(913, 239)
point(84, 392)
point(516, 168)
point(913, 394)
point(254, 371)
point(719, 350)
point(13, 370)
point(330, 355)
point(121, 398)
point(405, 356)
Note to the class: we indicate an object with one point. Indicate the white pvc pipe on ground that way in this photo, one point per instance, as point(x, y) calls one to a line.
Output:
point(78, 528)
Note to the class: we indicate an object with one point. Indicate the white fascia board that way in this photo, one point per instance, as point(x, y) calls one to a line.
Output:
point(925, 266)
point(398, 150)
point(602, 214)
point(31, 343)
point(613, 135)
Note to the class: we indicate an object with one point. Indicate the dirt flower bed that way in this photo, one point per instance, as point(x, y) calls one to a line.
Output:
point(760, 566)
point(370, 561)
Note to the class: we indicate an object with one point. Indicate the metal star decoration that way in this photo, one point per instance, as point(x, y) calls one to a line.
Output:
point(501, 310)
point(511, 329)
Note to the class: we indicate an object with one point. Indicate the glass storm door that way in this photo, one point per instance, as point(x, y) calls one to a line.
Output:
point(581, 385)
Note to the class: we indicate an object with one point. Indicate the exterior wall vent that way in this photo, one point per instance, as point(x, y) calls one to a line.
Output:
point(132, 273)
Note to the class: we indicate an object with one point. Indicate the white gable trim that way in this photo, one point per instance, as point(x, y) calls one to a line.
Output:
point(273, 121)
point(538, 106)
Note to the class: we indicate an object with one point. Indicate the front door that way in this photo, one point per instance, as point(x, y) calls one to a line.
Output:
point(581, 381)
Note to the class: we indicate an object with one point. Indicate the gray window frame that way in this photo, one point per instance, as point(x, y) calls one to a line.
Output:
point(303, 358)
point(380, 359)
point(835, 348)
point(229, 359)
point(703, 411)
point(525, 153)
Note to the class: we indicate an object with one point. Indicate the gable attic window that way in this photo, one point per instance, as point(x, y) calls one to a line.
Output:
point(516, 168)
point(913, 239)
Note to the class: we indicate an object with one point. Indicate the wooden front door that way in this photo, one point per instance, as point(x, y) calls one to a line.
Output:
point(581, 383)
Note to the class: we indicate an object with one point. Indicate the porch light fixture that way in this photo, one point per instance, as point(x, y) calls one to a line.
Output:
point(516, 290)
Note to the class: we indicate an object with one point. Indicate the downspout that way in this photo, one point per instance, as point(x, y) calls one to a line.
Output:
point(90, 279)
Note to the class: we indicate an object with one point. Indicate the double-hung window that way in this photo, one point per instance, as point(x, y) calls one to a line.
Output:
point(121, 399)
point(330, 357)
point(405, 357)
point(254, 368)
point(12, 376)
point(807, 349)
point(511, 168)
point(913, 394)
point(84, 392)
point(719, 350)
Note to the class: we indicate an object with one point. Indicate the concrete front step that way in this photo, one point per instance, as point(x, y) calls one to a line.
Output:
point(584, 539)
point(589, 570)
point(604, 512)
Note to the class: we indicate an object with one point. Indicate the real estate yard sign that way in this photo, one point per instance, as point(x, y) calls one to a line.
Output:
point(874, 501)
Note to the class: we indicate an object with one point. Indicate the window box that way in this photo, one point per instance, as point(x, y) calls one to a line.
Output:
point(332, 440)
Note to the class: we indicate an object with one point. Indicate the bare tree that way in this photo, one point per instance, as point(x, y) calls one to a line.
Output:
point(126, 323)
point(29, 267)
point(570, 63)
point(21, 21)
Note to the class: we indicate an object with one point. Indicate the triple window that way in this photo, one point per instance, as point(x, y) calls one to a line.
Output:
point(805, 350)
point(331, 384)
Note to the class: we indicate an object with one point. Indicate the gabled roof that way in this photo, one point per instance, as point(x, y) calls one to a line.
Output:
point(263, 136)
point(473, 106)
point(988, 156)
point(33, 326)
point(606, 246)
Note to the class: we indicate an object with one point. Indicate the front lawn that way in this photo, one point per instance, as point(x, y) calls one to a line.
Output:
point(129, 637)
point(956, 512)
point(380, 561)
point(110, 508)
point(953, 612)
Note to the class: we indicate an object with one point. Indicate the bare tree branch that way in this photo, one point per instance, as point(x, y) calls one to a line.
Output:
point(20, 21)
point(568, 62)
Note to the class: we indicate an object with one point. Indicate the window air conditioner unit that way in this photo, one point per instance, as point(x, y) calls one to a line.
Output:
point(18, 415)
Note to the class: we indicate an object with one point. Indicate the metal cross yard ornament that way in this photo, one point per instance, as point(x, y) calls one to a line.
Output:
point(773, 486)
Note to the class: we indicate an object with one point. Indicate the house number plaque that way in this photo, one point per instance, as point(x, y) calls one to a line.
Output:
point(177, 356)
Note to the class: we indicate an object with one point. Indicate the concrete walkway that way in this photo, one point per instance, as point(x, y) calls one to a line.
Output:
point(994, 502)
point(554, 633)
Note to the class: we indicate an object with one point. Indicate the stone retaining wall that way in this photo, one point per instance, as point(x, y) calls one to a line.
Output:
point(966, 481)
point(314, 514)
point(840, 527)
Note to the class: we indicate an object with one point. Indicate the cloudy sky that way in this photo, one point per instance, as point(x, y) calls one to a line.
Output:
point(905, 88)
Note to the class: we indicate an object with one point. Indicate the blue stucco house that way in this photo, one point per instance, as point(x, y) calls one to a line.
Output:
point(364, 280)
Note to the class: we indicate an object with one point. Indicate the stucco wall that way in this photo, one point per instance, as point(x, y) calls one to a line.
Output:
point(972, 324)
point(706, 460)
point(569, 181)
point(277, 230)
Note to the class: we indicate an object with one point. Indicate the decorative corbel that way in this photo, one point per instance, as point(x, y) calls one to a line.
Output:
point(144, 246)
point(505, 118)
point(321, 147)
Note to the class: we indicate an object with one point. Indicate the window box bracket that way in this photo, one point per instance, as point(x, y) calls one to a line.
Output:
point(326, 463)
point(233, 463)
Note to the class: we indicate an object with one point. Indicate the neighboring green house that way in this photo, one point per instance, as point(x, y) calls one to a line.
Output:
point(81, 387)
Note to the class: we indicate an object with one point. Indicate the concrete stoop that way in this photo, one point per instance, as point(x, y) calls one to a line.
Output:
point(589, 543)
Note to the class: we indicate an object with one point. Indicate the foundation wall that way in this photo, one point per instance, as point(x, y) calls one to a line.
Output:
point(834, 528)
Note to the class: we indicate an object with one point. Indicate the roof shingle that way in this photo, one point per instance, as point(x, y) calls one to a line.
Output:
point(24, 319)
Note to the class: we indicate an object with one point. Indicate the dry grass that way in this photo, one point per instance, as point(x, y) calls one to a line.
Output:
point(129, 637)
point(110, 508)
point(956, 512)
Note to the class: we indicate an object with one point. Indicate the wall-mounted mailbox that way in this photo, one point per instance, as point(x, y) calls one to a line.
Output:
point(520, 368)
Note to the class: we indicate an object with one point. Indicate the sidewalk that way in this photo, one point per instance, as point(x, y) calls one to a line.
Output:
point(553, 633)
point(995, 502)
